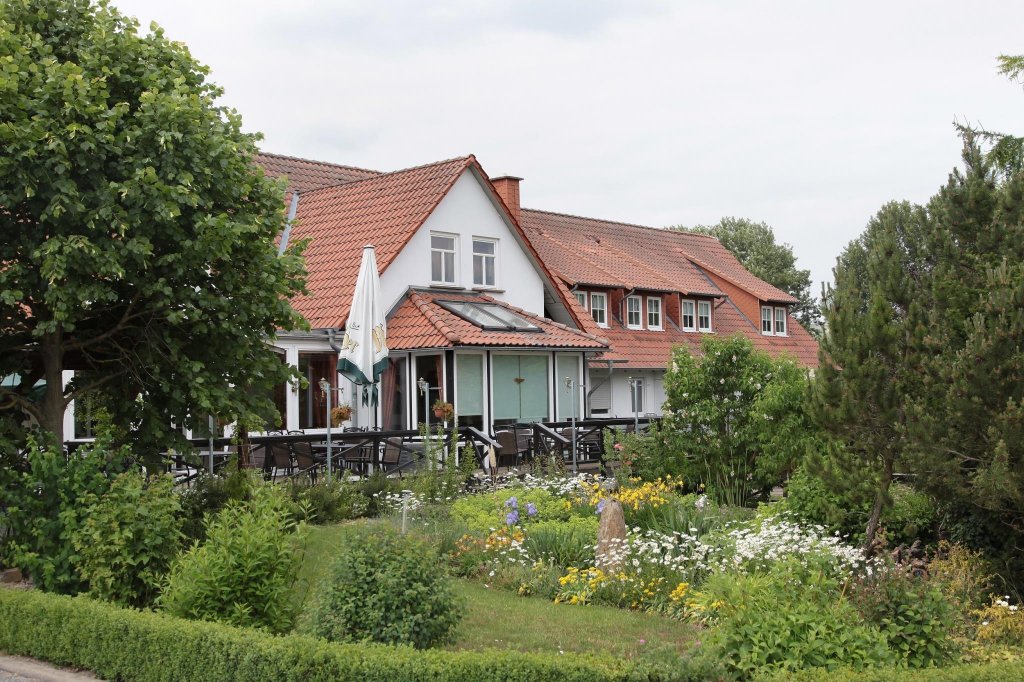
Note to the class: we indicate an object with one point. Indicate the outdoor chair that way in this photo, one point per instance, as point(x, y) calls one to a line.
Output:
point(508, 455)
point(304, 460)
point(391, 456)
point(280, 458)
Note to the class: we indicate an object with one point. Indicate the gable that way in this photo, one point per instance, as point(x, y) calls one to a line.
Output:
point(468, 211)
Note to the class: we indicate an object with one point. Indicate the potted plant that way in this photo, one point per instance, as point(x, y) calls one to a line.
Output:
point(339, 414)
point(443, 410)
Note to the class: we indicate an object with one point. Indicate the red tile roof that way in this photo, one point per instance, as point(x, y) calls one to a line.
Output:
point(305, 175)
point(645, 349)
point(419, 322)
point(606, 253)
point(384, 210)
point(602, 253)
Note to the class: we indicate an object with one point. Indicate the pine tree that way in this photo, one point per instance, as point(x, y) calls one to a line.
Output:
point(868, 360)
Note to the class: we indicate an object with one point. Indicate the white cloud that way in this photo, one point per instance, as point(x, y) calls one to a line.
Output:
point(806, 115)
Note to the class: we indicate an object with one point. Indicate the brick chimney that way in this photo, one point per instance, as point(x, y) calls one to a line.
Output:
point(507, 187)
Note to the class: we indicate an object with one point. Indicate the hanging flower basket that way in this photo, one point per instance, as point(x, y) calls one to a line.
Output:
point(339, 414)
point(443, 410)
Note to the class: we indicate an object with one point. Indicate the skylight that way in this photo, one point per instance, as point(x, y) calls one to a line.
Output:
point(489, 316)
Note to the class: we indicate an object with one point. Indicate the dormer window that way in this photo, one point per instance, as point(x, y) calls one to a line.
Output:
point(689, 316)
point(599, 308)
point(581, 296)
point(773, 321)
point(633, 320)
point(484, 262)
point(654, 313)
point(442, 258)
point(704, 316)
point(780, 321)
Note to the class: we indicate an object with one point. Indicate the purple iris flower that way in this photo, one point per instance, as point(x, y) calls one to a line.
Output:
point(531, 509)
point(600, 506)
point(512, 503)
point(512, 518)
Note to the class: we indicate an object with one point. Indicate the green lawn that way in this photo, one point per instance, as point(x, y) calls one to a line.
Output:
point(497, 619)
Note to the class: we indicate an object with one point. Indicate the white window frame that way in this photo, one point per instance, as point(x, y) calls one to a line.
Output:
point(581, 297)
point(602, 309)
point(636, 396)
point(455, 258)
point(781, 324)
point(655, 311)
point(639, 324)
point(701, 305)
point(692, 327)
point(484, 256)
point(767, 315)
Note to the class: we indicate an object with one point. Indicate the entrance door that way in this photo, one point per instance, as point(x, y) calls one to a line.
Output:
point(520, 388)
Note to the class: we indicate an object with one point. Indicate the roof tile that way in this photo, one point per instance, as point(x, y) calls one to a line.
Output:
point(419, 322)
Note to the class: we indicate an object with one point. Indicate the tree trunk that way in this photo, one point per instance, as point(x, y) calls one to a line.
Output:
point(52, 349)
point(876, 509)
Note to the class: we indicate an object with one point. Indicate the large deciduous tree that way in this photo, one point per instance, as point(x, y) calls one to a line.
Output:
point(755, 247)
point(738, 416)
point(137, 240)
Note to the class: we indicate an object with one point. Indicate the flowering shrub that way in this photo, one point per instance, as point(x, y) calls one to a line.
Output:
point(758, 548)
point(486, 511)
point(624, 589)
point(1001, 623)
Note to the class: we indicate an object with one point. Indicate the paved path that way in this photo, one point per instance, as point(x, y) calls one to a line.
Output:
point(21, 669)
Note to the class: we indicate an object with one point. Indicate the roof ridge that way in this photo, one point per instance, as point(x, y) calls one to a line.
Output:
point(620, 223)
point(390, 174)
point(700, 262)
point(319, 163)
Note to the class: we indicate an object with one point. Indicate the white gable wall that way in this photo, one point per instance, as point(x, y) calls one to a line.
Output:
point(467, 211)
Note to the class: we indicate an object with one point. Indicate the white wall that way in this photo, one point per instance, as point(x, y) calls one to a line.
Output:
point(654, 391)
point(467, 211)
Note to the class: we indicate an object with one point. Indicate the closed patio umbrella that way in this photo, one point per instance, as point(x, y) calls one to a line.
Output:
point(364, 350)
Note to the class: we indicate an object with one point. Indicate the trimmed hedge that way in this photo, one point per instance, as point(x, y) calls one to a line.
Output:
point(122, 644)
point(1003, 671)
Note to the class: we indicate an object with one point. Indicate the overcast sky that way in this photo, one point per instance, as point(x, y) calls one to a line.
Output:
point(806, 115)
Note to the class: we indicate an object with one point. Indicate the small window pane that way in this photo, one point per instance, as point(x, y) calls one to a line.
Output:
point(483, 247)
point(598, 309)
point(654, 313)
point(435, 266)
point(581, 296)
point(689, 323)
point(766, 320)
point(704, 316)
point(633, 312)
point(441, 242)
point(780, 320)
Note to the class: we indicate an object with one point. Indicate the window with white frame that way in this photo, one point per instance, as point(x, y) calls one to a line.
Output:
point(766, 320)
point(599, 308)
point(442, 258)
point(633, 320)
point(689, 316)
point(704, 316)
point(484, 262)
point(581, 296)
point(636, 396)
point(780, 321)
point(654, 313)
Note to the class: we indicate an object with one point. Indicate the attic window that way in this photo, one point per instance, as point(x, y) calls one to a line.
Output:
point(490, 316)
